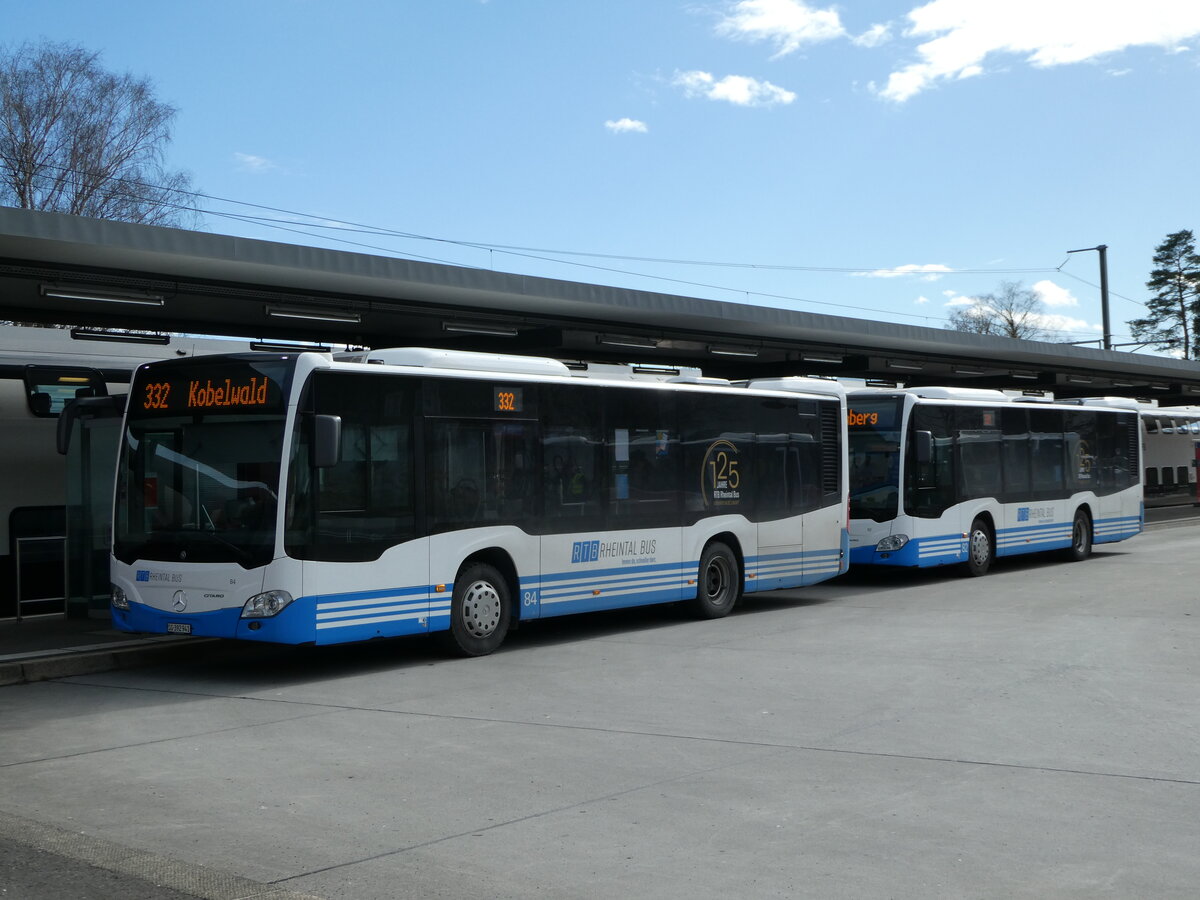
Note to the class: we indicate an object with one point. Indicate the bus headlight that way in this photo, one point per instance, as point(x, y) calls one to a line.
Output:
point(892, 542)
point(118, 598)
point(265, 605)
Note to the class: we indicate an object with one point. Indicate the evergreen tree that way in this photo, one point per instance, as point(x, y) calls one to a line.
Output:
point(1173, 318)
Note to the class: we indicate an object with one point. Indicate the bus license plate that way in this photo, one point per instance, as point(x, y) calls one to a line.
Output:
point(179, 628)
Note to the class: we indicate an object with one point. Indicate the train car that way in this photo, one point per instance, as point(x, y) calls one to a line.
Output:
point(1169, 439)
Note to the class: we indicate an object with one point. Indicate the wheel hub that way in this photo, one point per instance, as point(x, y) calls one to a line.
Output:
point(481, 609)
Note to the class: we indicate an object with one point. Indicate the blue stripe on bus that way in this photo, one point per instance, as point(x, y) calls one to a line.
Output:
point(943, 549)
point(417, 608)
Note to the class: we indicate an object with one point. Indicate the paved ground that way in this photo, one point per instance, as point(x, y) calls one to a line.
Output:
point(1034, 733)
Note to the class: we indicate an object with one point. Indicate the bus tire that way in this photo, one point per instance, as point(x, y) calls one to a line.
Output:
point(720, 583)
point(981, 548)
point(480, 611)
point(1081, 538)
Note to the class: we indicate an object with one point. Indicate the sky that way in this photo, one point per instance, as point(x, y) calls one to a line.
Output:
point(877, 159)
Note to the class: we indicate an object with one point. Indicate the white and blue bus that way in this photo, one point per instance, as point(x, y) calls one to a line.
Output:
point(296, 498)
point(940, 476)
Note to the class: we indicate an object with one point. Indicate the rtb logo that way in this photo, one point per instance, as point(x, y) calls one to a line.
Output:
point(585, 551)
point(143, 574)
point(1022, 513)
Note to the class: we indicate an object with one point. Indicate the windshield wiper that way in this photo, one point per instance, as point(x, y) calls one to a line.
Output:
point(243, 555)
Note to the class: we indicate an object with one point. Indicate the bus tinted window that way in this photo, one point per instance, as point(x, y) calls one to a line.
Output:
point(366, 503)
point(1046, 452)
point(979, 442)
point(479, 472)
point(1014, 454)
point(573, 470)
point(720, 458)
point(642, 438)
point(930, 485)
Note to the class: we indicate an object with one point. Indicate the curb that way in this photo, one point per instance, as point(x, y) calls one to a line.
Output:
point(94, 661)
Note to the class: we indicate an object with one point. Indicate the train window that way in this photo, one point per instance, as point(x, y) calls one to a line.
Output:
point(49, 388)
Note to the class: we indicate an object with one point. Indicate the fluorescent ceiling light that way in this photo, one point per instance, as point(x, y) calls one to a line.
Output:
point(485, 328)
point(619, 340)
point(904, 365)
point(121, 337)
point(276, 347)
point(1026, 376)
point(732, 351)
point(314, 314)
point(100, 295)
point(822, 358)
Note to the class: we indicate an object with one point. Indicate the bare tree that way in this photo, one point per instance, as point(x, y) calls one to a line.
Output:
point(1014, 311)
point(77, 139)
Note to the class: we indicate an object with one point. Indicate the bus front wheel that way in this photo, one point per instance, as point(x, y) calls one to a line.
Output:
point(480, 611)
point(981, 549)
point(720, 582)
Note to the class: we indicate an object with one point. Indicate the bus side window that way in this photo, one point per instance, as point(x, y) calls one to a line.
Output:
point(929, 486)
point(572, 454)
point(642, 437)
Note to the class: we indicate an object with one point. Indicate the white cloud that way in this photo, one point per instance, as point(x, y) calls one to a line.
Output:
point(1053, 322)
point(874, 36)
point(1052, 294)
point(953, 298)
point(619, 126)
point(788, 24)
point(740, 90)
point(960, 35)
point(257, 165)
point(928, 271)
point(921, 301)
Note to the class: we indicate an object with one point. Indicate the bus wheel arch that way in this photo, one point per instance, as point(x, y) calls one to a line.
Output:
point(981, 545)
point(719, 578)
point(482, 611)
point(1082, 535)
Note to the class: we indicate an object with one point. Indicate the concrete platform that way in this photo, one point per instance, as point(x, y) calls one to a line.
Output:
point(47, 647)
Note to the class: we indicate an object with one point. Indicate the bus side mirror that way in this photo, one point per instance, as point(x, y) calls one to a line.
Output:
point(924, 446)
point(327, 441)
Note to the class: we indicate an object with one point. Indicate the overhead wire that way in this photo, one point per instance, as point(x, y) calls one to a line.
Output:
point(325, 224)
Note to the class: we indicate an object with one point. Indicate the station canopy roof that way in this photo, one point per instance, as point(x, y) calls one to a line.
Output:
point(64, 269)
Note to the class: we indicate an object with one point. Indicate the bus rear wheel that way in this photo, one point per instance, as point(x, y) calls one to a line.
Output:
point(981, 549)
point(720, 582)
point(1081, 538)
point(480, 611)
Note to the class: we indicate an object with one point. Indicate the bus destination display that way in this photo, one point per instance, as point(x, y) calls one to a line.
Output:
point(224, 390)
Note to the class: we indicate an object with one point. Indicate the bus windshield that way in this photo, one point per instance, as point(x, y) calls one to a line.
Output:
point(198, 477)
point(874, 426)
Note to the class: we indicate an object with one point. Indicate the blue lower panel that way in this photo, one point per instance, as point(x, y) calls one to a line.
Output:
point(292, 626)
point(387, 612)
point(616, 600)
point(945, 549)
point(1116, 529)
point(788, 570)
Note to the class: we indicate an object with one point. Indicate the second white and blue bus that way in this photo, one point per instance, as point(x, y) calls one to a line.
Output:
point(943, 476)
